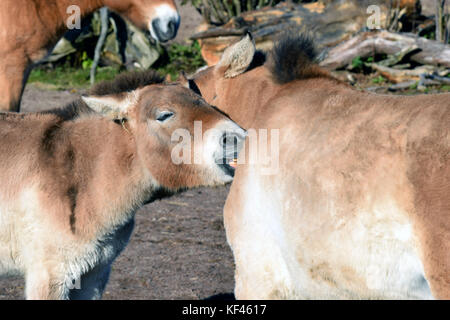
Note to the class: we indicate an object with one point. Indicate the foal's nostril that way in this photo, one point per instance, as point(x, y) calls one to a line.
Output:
point(231, 144)
point(229, 140)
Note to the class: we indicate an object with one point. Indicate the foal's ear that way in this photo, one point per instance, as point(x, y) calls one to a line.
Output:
point(236, 58)
point(188, 83)
point(112, 106)
point(183, 79)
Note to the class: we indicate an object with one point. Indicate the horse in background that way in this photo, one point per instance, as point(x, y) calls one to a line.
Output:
point(31, 28)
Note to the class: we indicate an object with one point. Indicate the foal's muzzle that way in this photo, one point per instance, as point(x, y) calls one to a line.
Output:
point(231, 143)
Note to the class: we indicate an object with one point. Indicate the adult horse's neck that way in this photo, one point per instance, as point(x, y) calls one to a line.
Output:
point(86, 6)
point(247, 97)
point(55, 13)
point(244, 96)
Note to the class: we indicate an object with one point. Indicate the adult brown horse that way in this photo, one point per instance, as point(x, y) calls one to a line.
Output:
point(359, 207)
point(31, 28)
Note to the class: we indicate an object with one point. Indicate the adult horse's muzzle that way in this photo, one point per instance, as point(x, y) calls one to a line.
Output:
point(165, 29)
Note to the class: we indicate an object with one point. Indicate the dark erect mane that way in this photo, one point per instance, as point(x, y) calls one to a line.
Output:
point(124, 82)
point(292, 58)
point(127, 82)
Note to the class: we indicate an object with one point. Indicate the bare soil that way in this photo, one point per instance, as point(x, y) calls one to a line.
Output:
point(178, 249)
point(190, 20)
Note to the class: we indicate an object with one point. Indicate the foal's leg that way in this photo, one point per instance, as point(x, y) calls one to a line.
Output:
point(94, 281)
point(41, 284)
point(92, 284)
point(13, 77)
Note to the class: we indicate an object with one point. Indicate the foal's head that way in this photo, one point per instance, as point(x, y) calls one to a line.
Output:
point(159, 17)
point(180, 139)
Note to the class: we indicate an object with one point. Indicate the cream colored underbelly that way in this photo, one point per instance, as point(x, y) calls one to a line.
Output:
point(281, 252)
point(21, 219)
point(10, 261)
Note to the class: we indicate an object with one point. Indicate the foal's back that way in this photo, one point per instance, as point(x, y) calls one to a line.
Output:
point(23, 136)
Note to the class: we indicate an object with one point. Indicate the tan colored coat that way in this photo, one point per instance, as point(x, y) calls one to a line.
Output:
point(71, 182)
point(360, 205)
point(29, 29)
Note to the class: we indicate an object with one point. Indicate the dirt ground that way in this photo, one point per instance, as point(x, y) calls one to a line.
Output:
point(190, 20)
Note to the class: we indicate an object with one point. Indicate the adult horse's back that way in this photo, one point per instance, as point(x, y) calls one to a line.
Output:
point(31, 28)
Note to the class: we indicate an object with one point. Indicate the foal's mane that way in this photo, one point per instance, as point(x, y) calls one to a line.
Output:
point(292, 57)
point(125, 82)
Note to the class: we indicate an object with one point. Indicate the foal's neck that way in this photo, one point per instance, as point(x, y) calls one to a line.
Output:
point(116, 182)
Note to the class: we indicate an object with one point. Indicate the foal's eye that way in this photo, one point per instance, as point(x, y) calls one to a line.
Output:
point(164, 116)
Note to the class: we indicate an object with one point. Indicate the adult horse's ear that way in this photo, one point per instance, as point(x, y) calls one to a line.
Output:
point(237, 58)
point(112, 106)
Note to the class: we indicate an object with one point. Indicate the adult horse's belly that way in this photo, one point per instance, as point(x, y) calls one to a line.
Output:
point(288, 246)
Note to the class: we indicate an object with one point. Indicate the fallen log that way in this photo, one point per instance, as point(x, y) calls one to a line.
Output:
point(411, 84)
point(403, 85)
point(398, 57)
point(219, 32)
point(442, 80)
point(397, 76)
point(329, 22)
point(368, 44)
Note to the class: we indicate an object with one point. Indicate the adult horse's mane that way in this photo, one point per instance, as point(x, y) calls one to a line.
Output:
point(124, 82)
point(292, 57)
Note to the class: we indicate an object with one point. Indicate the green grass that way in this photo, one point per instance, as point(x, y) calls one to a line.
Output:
point(357, 63)
point(178, 58)
point(414, 86)
point(378, 80)
point(61, 78)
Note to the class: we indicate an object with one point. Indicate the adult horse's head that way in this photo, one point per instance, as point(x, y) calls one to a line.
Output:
point(246, 78)
point(159, 17)
point(213, 83)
